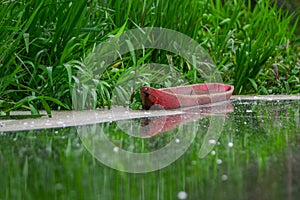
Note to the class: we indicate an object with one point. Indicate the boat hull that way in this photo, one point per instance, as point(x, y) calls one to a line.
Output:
point(185, 96)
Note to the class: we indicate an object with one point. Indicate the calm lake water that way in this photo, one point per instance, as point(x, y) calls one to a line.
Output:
point(247, 150)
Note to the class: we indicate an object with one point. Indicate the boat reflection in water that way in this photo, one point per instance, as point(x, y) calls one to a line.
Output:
point(153, 127)
point(157, 125)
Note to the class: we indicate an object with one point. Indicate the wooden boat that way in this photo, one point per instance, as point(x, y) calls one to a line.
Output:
point(184, 96)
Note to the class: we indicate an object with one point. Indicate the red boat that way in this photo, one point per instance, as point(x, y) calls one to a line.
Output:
point(184, 96)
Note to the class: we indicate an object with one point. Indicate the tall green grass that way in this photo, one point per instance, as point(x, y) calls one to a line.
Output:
point(43, 45)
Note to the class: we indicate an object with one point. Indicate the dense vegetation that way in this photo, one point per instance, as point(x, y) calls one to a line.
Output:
point(44, 43)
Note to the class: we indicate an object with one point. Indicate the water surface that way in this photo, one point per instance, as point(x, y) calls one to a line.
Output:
point(256, 156)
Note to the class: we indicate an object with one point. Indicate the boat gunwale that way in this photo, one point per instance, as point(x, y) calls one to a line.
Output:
point(217, 93)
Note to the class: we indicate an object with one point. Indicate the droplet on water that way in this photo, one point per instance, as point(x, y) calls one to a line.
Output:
point(116, 149)
point(177, 140)
point(212, 141)
point(182, 195)
point(224, 177)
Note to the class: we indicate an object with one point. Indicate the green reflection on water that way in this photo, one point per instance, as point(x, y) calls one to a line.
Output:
point(255, 157)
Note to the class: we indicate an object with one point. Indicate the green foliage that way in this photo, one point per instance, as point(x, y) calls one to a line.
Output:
point(245, 41)
point(44, 44)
